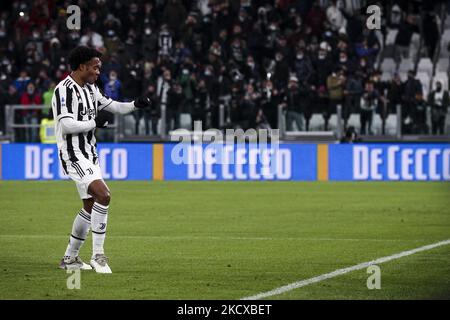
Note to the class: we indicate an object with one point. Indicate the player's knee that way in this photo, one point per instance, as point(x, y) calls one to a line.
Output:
point(104, 198)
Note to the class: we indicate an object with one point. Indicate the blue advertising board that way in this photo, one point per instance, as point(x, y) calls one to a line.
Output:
point(41, 162)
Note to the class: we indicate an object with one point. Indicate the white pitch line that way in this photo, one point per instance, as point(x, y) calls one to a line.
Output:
point(339, 272)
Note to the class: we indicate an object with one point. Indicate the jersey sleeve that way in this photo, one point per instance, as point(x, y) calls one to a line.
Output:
point(102, 99)
point(63, 103)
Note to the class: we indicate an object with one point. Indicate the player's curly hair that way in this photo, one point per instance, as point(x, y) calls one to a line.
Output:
point(82, 54)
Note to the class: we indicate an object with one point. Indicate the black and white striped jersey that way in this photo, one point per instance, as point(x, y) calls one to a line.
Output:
point(81, 104)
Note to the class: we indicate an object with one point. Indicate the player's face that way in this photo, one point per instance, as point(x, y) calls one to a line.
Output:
point(92, 70)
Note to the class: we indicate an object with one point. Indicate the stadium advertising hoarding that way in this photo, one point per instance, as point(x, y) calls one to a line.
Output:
point(40, 162)
point(302, 162)
point(389, 162)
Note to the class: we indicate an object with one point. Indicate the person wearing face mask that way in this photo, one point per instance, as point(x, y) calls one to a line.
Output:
point(439, 102)
point(302, 66)
point(113, 86)
point(30, 116)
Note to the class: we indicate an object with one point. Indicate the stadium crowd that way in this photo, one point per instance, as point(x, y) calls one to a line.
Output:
point(193, 55)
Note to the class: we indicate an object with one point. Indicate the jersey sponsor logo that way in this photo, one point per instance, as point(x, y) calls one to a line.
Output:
point(87, 111)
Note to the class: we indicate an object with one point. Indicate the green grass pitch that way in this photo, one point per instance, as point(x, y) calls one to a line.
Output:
point(229, 240)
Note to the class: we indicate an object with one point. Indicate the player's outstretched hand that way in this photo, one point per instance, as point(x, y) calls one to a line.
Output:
point(101, 120)
point(142, 102)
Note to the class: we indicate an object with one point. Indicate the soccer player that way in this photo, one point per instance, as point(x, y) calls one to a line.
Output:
point(79, 107)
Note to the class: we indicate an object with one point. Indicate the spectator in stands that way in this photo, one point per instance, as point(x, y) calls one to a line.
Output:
point(250, 107)
point(113, 86)
point(302, 66)
point(47, 99)
point(22, 82)
point(163, 86)
point(369, 103)
point(395, 93)
point(439, 102)
point(430, 32)
point(350, 135)
point(201, 105)
point(419, 115)
point(294, 106)
point(174, 15)
point(31, 116)
point(175, 103)
point(155, 112)
point(403, 39)
point(335, 87)
point(270, 99)
point(335, 17)
point(352, 96)
point(412, 88)
point(92, 39)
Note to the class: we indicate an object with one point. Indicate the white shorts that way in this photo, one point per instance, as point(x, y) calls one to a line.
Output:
point(83, 172)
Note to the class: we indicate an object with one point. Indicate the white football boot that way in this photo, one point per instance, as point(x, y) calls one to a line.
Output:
point(100, 264)
point(73, 263)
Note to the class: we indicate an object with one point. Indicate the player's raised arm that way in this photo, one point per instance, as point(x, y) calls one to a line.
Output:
point(107, 104)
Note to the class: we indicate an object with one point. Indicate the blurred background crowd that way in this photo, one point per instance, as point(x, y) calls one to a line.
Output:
point(250, 56)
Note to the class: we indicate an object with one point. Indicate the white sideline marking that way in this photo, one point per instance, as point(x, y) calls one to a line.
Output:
point(339, 272)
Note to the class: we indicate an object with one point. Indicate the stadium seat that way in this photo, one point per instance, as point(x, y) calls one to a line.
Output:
point(391, 125)
point(414, 46)
point(406, 65)
point(316, 123)
point(386, 76)
point(354, 121)
point(377, 124)
point(425, 65)
point(391, 35)
point(388, 65)
point(445, 39)
point(442, 65)
point(332, 123)
point(403, 76)
point(185, 121)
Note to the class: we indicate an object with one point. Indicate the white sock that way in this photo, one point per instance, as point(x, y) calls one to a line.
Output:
point(80, 229)
point(99, 217)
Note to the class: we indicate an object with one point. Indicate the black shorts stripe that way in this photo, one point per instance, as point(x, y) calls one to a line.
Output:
point(58, 102)
point(80, 171)
point(77, 238)
point(64, 165)
point(70, 151)
point(98, 232)
point(77, 169)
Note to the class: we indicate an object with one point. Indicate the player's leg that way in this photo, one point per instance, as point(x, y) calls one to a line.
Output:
point(80, 230)
point(99, 218)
